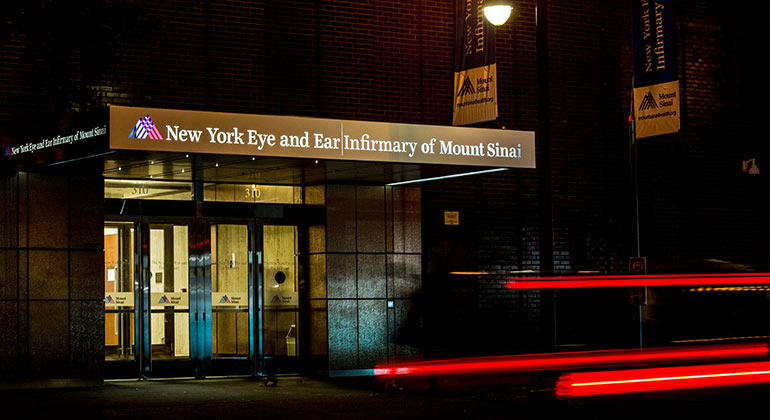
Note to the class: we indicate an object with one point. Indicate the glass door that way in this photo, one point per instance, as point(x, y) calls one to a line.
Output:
point(165, 300)
point(184, 299)
point(231, 299)
point(280, 324)
point(169, 296)
point(119, 271)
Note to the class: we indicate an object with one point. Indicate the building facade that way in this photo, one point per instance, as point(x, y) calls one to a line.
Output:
point(369, 273)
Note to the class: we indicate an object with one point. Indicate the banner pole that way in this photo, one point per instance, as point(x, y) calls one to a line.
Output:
point(633, 165)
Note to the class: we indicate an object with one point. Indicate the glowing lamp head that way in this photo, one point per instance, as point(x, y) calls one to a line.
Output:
point(498, 11)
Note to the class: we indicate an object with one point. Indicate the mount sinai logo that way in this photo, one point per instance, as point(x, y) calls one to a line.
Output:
point(145, 128)
point(466, 88)
point(648, 102)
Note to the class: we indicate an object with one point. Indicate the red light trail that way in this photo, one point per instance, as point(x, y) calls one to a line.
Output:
point(583, 384)
point(637, 281)
point(550, 361)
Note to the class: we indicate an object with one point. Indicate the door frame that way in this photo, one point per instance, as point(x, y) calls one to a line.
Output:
point(174, 367)
point(129, 368)
point(201, 363)
point(249, 365)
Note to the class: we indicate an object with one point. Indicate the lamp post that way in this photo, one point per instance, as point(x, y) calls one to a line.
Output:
point(497, 12)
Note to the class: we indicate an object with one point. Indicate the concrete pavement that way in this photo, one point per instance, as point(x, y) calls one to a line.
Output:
point(298, 397)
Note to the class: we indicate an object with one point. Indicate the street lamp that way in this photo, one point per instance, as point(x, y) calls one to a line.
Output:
point(498, 11)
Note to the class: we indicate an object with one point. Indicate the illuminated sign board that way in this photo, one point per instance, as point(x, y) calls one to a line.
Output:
point(165, 130)
point(36, 145)
point(79, 136)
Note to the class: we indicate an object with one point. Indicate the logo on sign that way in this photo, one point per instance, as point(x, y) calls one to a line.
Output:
point(163, 300)
point(224, 299)
point(648, 102)
point(109, 299)
point(145, 128)
point(467, 88)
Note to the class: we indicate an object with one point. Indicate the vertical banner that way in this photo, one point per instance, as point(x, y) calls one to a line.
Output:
point(656, 87)
point(475, 86)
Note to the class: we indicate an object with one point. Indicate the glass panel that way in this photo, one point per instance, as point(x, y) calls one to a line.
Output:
point(119, 336)
point(230, 272)
point(147, 190)
point(280, 337)
point(280, 266)
point(230, 334)
point(169, 298)
point(253, 193)
point(118, 291)
point(280, 333)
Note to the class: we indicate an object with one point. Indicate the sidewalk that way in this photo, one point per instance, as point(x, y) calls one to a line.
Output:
point(293, 398)
point(297, 397)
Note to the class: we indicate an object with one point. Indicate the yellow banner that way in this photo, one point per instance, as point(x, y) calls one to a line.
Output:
point(475, 95)
point(656, 108)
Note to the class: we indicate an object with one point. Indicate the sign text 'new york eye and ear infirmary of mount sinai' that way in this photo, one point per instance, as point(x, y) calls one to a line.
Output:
point(315, 138)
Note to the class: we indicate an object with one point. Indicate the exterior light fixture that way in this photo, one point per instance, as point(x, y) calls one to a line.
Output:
point(498, 11)
point(750, 166)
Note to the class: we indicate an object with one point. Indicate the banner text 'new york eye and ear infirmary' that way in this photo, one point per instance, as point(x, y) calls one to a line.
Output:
point(656, 84)
point(299, 137)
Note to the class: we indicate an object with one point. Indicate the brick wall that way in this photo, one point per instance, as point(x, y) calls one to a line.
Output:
point(694, 202)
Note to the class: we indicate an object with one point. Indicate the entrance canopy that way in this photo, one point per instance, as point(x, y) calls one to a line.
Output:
point(162, 144)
